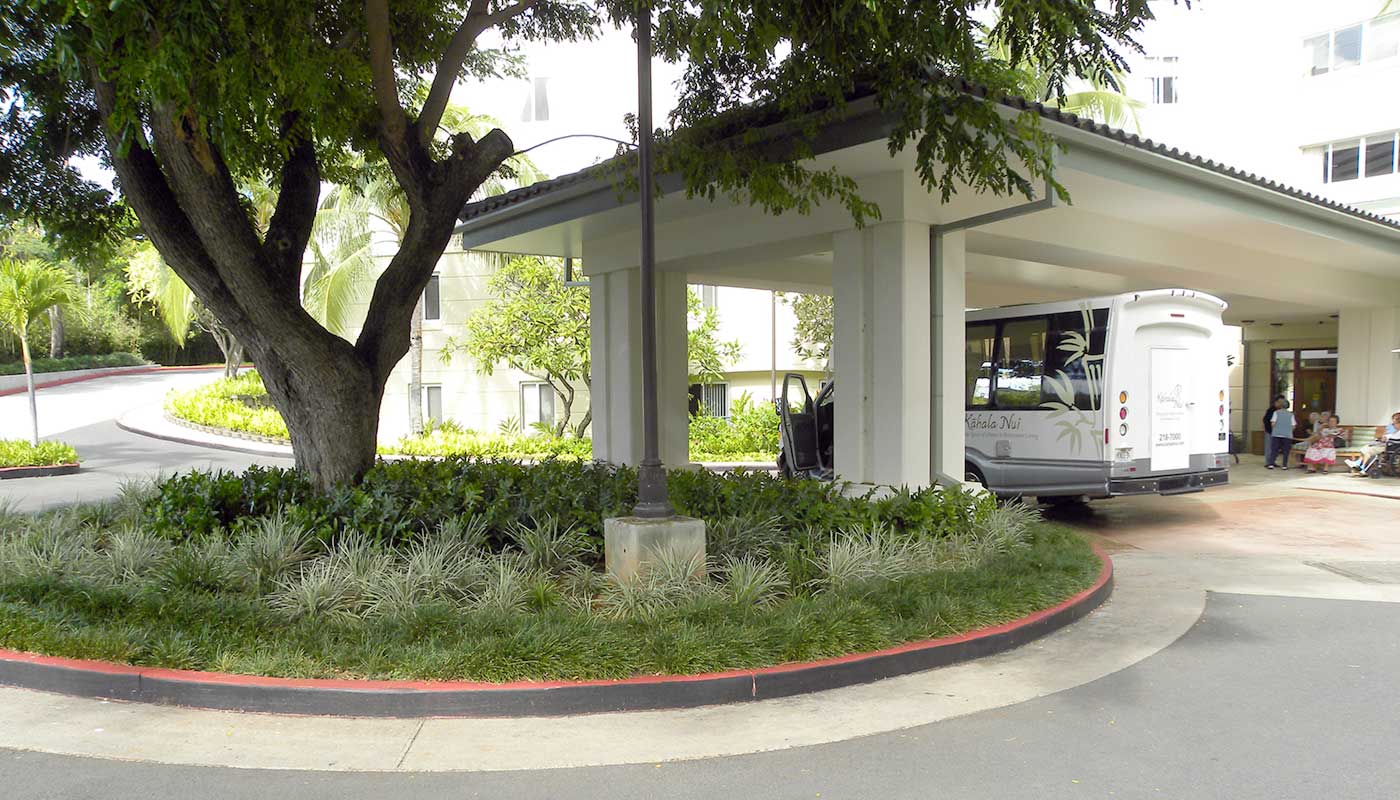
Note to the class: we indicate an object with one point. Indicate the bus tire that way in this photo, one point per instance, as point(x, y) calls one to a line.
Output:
point(1063, 500)
point(971, 474)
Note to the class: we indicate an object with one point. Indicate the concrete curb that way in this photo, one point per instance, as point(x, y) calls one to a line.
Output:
point(38, 472)
point(351, 698)
point(222, 442)
point(100, 372)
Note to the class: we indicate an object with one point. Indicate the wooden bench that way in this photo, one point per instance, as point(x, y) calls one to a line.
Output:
point(1357, 436)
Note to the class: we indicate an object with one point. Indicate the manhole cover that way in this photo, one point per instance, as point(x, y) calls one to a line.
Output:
point(1364, 571)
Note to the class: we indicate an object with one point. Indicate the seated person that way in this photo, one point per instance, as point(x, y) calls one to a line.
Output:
point(1374, 450)
point(1322, 446)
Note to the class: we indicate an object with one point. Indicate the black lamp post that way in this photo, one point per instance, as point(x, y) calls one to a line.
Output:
point(653, 501)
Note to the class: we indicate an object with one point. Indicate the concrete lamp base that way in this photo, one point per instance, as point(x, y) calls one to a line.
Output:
point(630, 544)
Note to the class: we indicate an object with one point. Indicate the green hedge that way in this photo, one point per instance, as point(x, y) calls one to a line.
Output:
point(400, 500)
point(219, 405)
point(20, 453)
point(107, 361)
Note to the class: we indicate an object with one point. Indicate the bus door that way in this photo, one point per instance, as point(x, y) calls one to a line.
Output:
point(1172, 408)
point(799, 430)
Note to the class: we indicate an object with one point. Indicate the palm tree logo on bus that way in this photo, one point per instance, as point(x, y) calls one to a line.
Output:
point(1074, 423)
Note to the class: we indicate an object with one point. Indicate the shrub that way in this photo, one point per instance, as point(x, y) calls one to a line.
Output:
point(107, 361)
point(225, 404)
point(749, 434)
point(20, 453)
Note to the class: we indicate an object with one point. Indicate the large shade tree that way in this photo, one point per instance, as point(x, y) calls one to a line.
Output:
point(186, 100)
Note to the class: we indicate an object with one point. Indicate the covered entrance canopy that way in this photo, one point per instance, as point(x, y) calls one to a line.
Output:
point(1140, 217)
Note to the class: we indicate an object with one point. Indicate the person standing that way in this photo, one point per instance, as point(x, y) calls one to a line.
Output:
point(1269, 454)
point(1280, 439)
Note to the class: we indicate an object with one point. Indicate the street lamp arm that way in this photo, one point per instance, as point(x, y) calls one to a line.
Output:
point(575, 136)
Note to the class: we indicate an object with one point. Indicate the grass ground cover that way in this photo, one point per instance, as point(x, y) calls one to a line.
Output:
point(20, 453)
point(749, 435)
point(488, 587)
point(106, 361)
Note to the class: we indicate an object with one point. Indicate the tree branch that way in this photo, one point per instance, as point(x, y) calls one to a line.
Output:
point(461, 44)
point(393, 121)
point(290, 227)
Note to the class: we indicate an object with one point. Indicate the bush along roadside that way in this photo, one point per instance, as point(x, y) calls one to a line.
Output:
point(20, 453)
point(502, 581)
point(240, 405)
point(108, 361)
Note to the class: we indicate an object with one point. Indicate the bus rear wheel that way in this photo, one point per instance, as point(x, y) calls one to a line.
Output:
point(971, 474)
point(1064, 501)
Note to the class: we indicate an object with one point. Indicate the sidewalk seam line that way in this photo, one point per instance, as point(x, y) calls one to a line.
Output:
point(411, 740)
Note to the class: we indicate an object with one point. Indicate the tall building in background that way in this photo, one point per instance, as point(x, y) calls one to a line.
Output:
point(1303, 92)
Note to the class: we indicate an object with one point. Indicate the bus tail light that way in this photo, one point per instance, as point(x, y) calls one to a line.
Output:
point(1105, 435)
point(1123, 429)
point(1123, 413)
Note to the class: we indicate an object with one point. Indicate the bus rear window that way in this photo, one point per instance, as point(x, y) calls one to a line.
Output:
point(978, 362)
point(1076, 357)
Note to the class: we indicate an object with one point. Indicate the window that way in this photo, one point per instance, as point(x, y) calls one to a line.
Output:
point(536, 405)
point(536, 101)
point(1073, 350)
point(1370, 157)
point(1020, 363)
point(1373, 40)
point(1380, 156)
point(432, 299)
point(1346, 157)
point(432, 403)
point(1383, 38)
point(709, 296)
point(711, 399)
point(1346, 47)
point(1319, 53)
point(1163, 81)
point(978, 363)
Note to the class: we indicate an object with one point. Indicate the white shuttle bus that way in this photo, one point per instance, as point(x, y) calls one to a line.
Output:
point(1099, 398)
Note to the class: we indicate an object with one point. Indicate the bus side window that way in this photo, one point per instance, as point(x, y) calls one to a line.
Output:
point(978, 364)
point(1078, 353)
point(1021, 363)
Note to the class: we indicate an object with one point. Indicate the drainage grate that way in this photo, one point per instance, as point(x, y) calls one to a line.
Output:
point(1387, 572)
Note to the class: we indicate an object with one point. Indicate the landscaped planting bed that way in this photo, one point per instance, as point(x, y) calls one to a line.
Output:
point(20, 453)
point(480, 570)
point(43, 365)
point(240, 406)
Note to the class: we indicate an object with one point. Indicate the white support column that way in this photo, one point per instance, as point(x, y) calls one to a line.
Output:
point(1368, 374)
point(616, 390)
point(949, 352)
point(881, 353)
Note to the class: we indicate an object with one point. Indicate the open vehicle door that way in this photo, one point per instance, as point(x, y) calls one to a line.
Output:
point(805, 429)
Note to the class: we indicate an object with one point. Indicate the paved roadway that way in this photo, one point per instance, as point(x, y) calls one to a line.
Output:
point(1266, 698)
point(83, 414)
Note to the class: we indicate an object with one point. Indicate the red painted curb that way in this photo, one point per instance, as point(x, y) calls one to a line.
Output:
point(39, 383)
point(44, 471)
point(348, 697)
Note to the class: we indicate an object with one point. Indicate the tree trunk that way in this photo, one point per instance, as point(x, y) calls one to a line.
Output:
point(29, 381)
point(587, 412)
point(415, 371)
point(567, 395)
point(332, 413)
point(56, 332)
point(233, 359)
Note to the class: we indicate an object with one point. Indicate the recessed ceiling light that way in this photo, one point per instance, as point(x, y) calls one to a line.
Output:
point(1246, 322)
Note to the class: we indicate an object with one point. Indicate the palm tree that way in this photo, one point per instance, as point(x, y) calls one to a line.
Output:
point(1099, 100)
point(28, 289)
point(151, 281)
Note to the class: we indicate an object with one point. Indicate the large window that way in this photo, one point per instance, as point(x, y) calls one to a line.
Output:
point(981, 341)
point(1369, 156)
point(1364, 42)
point(432, 299)
point(1164, 84)
point(536, 405)
point(1020, 363)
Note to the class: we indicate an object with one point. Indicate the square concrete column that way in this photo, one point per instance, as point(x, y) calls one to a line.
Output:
point(949, 302)
point(1368, 374)
point(880, 351)
point(616, 389)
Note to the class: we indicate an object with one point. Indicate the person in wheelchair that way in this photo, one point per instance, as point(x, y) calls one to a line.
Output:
point(1382, 455)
